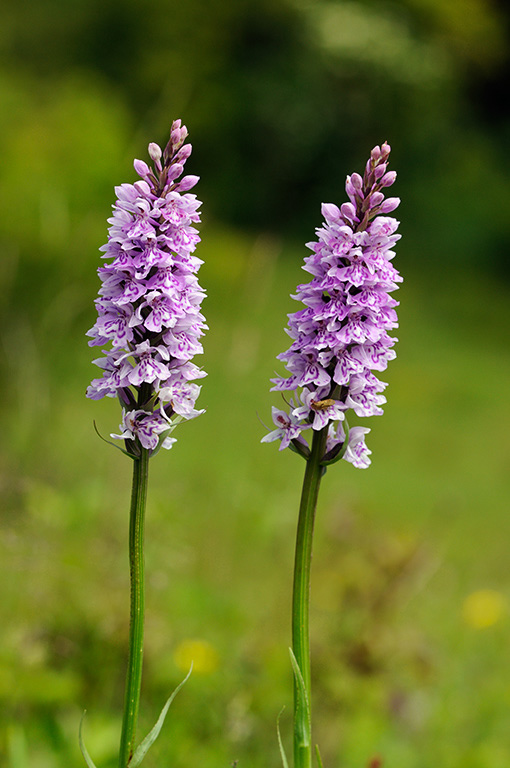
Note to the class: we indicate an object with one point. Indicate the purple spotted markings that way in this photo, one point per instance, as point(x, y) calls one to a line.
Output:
point(149, 302)
point(341, 336)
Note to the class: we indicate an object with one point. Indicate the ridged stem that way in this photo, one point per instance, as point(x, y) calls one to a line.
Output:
point(301, 597)
point(136, 571)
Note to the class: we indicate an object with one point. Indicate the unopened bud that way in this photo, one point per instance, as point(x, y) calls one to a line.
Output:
point(174, 171)
point(380, 170)
point(183, 154)
point(187, 183)
point(178, 135)
point(388, 179)
point(385, 151)
point(142, 187)
point(330, 211)
point(154, 152)
point(376, 199)
point(351, 190)
point(348, 211)
point(390, 204)
point(357, 182)
point(141, 168)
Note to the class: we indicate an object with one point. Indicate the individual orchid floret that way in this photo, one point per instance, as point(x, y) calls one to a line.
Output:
point(341, 335)
point(144, 425)
point(288, 429)
point(149, 301)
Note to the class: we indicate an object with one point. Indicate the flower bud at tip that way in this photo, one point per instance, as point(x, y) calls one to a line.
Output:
point(154, 152)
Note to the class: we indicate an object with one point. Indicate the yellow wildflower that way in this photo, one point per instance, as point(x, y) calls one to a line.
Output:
point(484, 608)
point(202, 653)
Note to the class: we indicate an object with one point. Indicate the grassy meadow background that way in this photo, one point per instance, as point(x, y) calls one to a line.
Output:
point(411, 581)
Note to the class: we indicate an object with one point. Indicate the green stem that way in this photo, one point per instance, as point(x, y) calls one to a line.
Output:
point(301, 598)
point(136, 571)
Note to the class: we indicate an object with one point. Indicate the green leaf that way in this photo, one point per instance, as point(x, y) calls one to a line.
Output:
point(318, 755)
point(303, 707)
point(84, 751)
point(338, 451)
point(280, 743)
point(151, 737)
point(109, 442)
point(299, 448)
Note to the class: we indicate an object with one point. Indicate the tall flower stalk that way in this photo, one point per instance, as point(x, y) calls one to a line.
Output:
point(149, 317)
point(338, 339)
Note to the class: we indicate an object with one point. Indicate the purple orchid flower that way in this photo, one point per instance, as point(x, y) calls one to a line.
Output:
point(149, 302)
point(341, 334)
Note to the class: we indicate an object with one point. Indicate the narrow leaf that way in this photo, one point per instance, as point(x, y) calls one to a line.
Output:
point(109, 442)
point(318, 755)
point(338, 452)
point(151, 737)
point(83, 748)
point(302, 697)
point(302, 450)
point(280, 743)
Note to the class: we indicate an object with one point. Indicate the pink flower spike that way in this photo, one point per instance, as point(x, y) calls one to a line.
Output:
point(149, 301)
point(340, 333)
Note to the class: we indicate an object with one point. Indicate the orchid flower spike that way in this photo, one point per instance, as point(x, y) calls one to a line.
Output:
point(341, 336)
point(149, 302)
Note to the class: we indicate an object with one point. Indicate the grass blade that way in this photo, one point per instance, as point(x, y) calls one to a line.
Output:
point(83, 748)
point(280, 743)
point(303, 703)
point(151, 737)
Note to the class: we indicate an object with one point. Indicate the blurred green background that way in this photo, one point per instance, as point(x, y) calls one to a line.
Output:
point(411, 580)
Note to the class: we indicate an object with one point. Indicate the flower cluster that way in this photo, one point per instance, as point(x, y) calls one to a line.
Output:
point(149, 302)
point(341, 335)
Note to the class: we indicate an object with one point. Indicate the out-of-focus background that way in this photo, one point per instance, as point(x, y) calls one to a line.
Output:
point(411, 584)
